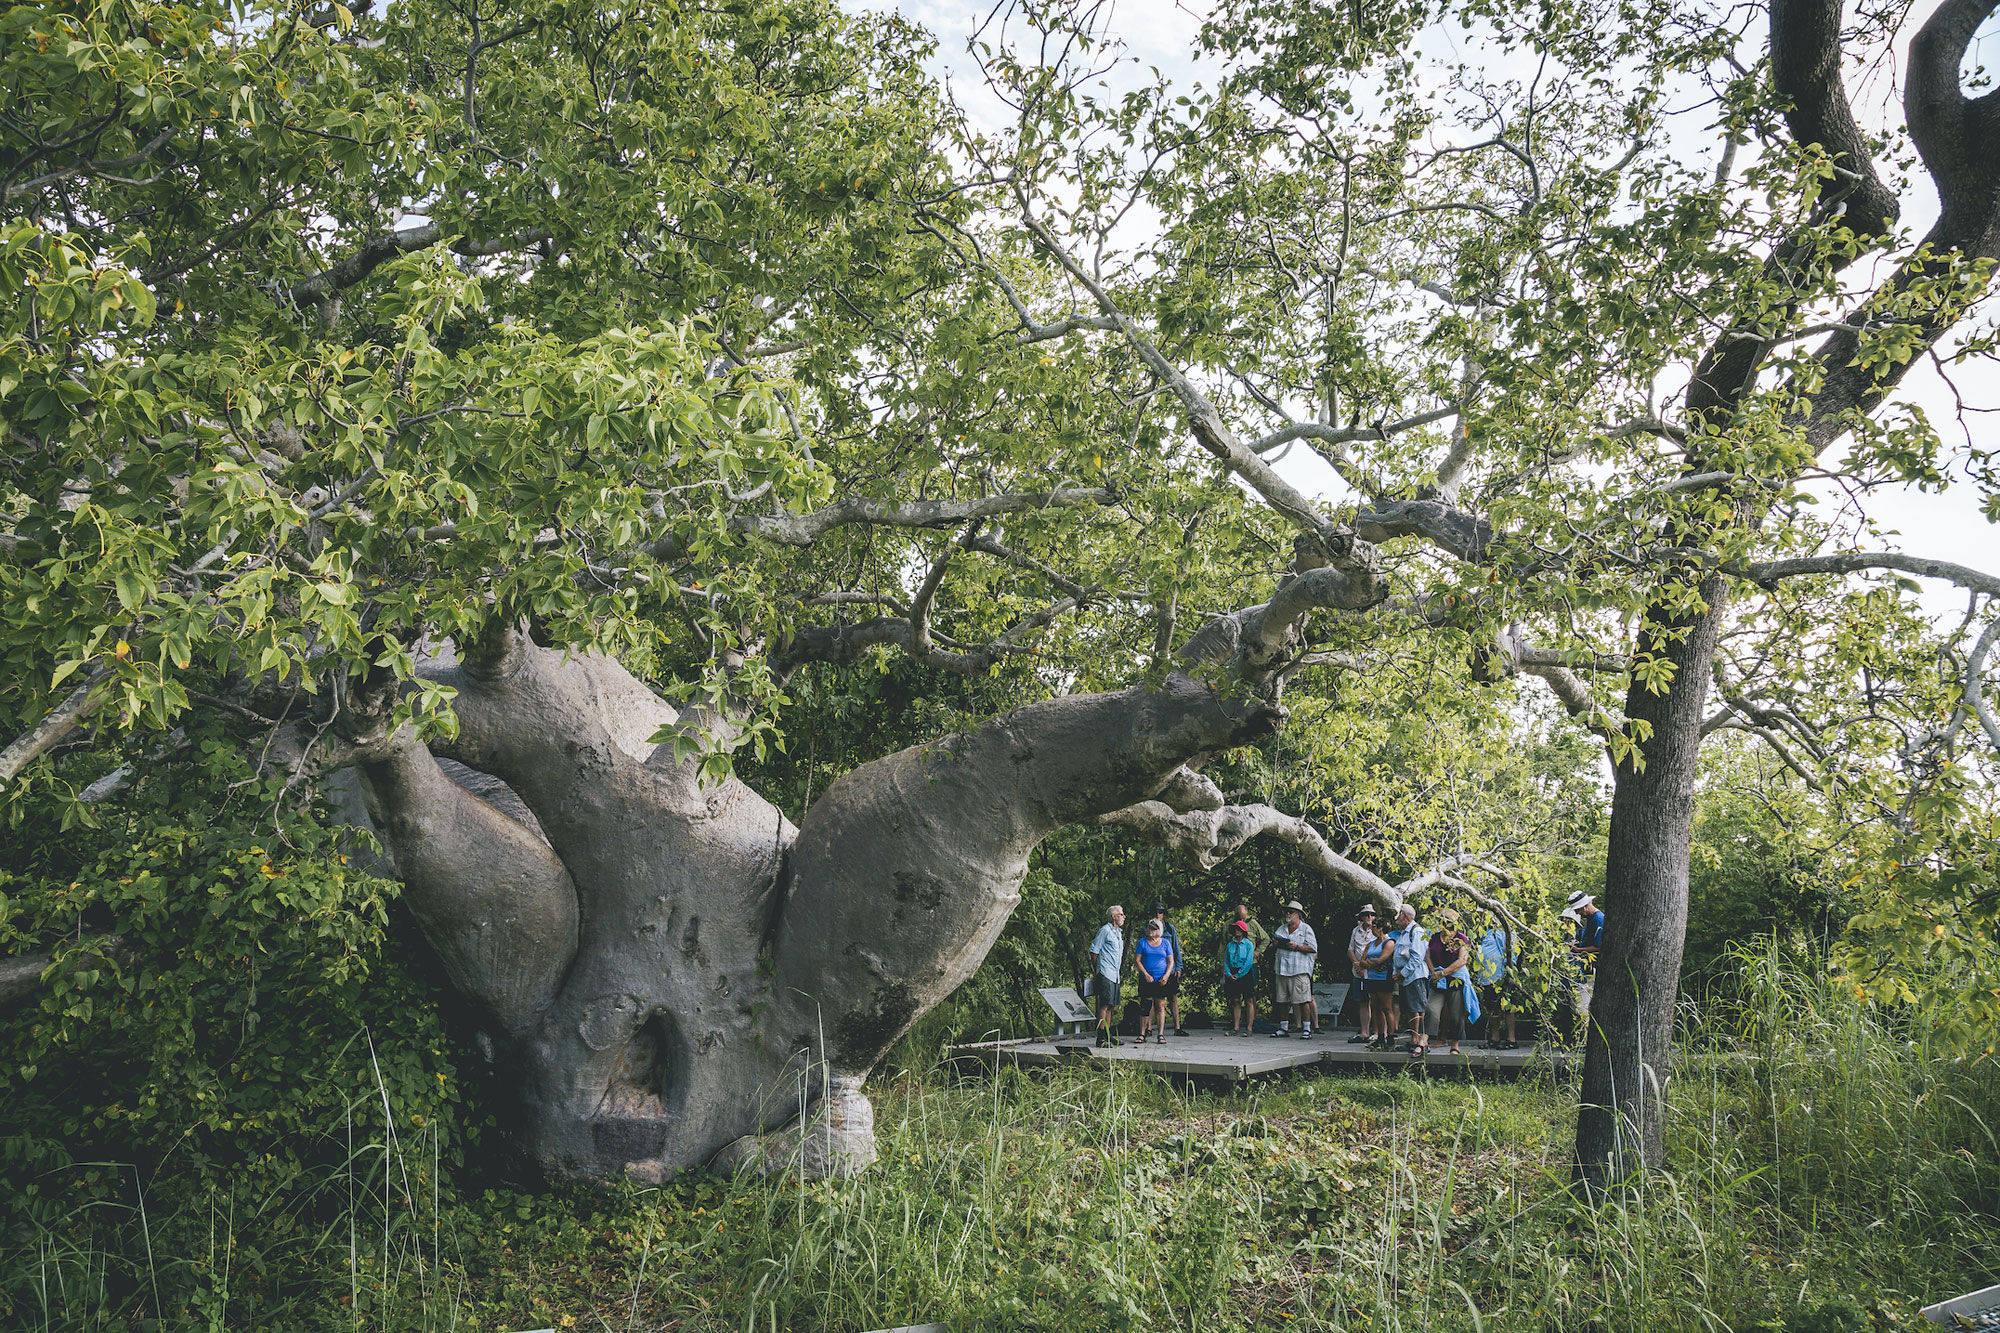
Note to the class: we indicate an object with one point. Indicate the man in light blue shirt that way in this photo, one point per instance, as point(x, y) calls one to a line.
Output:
point(1107, 954)
point(1413, 976)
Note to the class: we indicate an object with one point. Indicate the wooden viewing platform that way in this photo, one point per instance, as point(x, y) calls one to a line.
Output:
point(1213, 1053)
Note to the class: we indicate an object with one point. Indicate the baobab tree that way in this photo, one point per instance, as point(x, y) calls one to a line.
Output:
point(504, 407)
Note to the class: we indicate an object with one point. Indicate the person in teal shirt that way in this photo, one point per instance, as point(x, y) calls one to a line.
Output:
point(1239, 978)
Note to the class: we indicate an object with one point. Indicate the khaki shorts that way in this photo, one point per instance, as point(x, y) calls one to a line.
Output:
point(1295, 989)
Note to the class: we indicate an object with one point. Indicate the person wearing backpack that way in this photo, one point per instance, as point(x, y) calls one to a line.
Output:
point(1239, 978)
point(1493, 960)
point(1453, 1007)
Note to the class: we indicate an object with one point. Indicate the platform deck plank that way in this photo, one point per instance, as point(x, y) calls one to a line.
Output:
point(1214, 1053)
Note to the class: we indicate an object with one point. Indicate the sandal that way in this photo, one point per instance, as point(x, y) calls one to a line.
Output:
point(1419, 1052)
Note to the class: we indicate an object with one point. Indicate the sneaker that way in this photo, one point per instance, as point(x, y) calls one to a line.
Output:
point(1358, 1038)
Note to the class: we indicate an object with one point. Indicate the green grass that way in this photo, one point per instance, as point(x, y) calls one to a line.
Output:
point(1837, 1178)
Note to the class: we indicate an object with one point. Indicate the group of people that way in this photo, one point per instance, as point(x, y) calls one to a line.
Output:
point(1412, 984)
point(1161, 963)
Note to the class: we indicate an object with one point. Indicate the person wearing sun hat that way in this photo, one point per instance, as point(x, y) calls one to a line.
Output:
point(1294, 946)
point(1449, 950)
point(1358, 941)
point(1583, 949)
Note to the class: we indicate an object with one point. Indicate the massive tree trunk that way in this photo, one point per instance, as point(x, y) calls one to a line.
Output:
point(669, 972)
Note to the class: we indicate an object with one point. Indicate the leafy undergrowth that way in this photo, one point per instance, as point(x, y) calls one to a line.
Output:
point(1063, 1200)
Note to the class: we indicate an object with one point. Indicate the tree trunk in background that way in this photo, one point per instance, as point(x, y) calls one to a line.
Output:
point(1645, 902)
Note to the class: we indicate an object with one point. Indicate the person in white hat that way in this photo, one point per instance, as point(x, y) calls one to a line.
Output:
point(1583, 949)
point(1293, 947)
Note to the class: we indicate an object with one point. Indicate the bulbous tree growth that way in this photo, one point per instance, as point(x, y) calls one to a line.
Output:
point(670, 970)
point(714, 343)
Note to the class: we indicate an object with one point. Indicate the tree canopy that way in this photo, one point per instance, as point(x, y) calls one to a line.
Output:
point(723, 341)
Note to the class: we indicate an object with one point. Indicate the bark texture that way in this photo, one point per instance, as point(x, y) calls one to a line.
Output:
point(1645, 898)
point(672, 975)
point(1645, 904)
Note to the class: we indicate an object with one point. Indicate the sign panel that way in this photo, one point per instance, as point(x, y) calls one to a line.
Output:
point(1068, 1005)
point(1329, 997)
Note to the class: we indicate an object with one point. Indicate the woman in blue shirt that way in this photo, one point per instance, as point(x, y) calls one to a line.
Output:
point(1156, 967)
point(1378, 985)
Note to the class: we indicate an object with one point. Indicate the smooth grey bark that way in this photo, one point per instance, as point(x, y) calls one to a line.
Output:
point(670, 974)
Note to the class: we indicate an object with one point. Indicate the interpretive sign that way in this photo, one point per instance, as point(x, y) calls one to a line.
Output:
point(1068, 1006)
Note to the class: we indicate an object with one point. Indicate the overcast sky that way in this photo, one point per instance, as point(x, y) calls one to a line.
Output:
point(1947, 526)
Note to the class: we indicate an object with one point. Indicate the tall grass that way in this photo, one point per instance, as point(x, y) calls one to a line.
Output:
point(1827, 1171)
point(361, 1243)
point(1862, 1123)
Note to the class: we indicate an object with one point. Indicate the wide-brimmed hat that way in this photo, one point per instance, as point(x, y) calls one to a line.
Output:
point(1576, 900)
point(1296, 906)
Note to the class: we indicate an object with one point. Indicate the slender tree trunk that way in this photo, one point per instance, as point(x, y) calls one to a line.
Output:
point(1645, 904)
